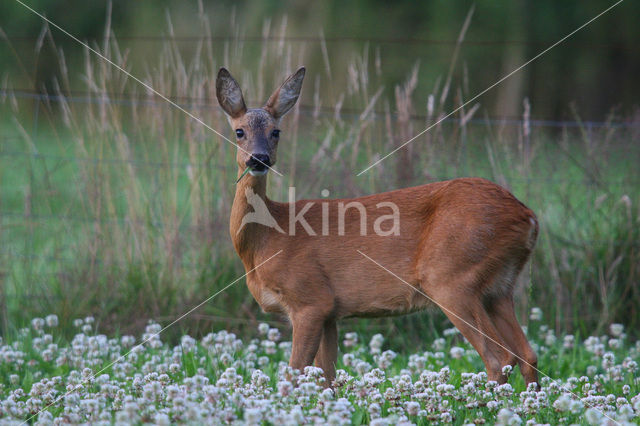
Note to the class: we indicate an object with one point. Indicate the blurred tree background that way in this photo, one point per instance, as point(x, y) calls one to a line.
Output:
point(596, 69)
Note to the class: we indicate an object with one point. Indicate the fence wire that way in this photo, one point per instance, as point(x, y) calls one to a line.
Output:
point(187, 102)
point(339, 40)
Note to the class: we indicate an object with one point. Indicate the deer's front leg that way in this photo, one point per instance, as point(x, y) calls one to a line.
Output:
point(327, 355)
point(308, 325)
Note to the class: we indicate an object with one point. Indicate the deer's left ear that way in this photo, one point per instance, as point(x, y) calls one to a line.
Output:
point(286, 96)
point(229, 94)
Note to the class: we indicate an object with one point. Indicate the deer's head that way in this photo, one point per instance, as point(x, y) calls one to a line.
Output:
point(257, 129)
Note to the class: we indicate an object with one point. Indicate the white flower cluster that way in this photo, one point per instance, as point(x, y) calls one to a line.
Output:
point(221, 379)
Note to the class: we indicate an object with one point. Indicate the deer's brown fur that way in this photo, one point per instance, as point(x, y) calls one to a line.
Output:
point(461, 242)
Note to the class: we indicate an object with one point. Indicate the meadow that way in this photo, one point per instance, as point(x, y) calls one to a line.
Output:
point(114, 206)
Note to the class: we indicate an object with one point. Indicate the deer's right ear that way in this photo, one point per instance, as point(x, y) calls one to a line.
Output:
point(286, 96)
point(229, 94)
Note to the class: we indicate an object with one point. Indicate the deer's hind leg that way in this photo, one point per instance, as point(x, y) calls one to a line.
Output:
point(499, 305)
point(459, 295)
point(310, 323)
point(327, 355)
point(503, 315)
point(307, 334)
point(468, 314)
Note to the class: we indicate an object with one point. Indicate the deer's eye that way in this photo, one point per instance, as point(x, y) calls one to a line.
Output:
point(275, 134)
point(239, 133)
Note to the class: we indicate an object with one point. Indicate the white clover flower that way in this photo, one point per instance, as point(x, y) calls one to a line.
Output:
point(227, 359)
point(362, 367)
point(593, 416)
point(412, 408)
point(536, 314)
point(342, 378)
point(374, 410)
point(376, 343)
point(439, 344)
point(450, 332)
point(38, 324)
point(446, 417)
point(444, 374)
point(576, 407)
point(263, 328)
point(504, 390)
point(327, 395)
point(608, 360)
point(269, 347)
point(568, 341)
point(51, 320)
point(550, 338)
point(252, 416)
point(374, 377)
point(616, 330)
point(456, 352)
point(350, 339)
point(563, 403)
point(45, 418)
point(385, 359)
point(625, 412)
point(162, 419)
point(312, 374)
point(506, 370)
point(630, 365)
point(273, 334)
point(599, 349)
point(621, 401)
point(508, 417)
point(348, 359)
point(296, 415)
point(188, 343)
point(531, 405)
point(259, 379)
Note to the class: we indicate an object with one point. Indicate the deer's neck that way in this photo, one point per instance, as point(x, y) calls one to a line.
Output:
point(251, 208)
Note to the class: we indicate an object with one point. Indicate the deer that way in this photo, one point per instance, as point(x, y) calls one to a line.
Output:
point(458, 244)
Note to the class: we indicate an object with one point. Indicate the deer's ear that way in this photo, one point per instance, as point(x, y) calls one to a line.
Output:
point(229, 94)
point(286, 96)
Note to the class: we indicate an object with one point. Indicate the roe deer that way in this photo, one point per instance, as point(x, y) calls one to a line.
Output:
point(461, 243)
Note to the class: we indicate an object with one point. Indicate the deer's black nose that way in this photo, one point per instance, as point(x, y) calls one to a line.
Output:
point(258, 162)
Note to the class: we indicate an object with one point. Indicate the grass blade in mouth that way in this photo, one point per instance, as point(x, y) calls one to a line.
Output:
point(247, 170)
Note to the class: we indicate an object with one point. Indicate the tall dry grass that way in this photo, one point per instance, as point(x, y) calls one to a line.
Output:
point(131, 223)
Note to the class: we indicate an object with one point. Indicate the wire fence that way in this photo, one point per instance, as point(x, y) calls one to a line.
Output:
point(339, 40)
point(93, 160)
point(128, 100)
